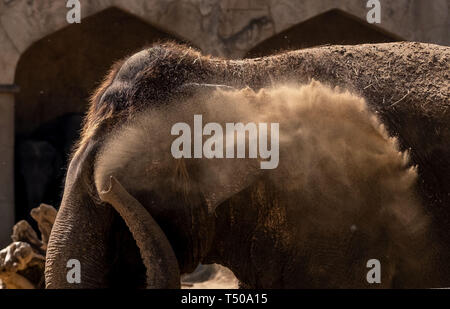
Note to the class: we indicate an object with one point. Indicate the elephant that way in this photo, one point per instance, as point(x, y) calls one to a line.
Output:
point(40, 162)
point(135, 216)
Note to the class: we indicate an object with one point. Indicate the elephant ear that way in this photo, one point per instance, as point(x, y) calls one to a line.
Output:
point(220, 179)
point(156, 252)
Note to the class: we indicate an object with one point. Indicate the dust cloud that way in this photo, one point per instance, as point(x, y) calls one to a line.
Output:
point(339, 170)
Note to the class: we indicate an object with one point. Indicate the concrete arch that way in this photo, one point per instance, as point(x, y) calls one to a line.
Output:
point(56, 76)
point(24, 22)
point(57, 73)
point(334, 27)
point(418, 20)
point(23, 26)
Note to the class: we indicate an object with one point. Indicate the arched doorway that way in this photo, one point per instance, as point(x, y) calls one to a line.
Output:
point(331, 27)
point(56, 76)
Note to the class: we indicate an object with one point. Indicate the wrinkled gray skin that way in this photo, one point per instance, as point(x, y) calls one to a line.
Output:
point(102, 226)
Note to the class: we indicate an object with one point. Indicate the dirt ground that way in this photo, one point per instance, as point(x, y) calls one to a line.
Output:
point(212, 276)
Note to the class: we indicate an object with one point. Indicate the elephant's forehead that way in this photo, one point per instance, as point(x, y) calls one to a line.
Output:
point(123, 82)
point(133, 65)
point(130, 72)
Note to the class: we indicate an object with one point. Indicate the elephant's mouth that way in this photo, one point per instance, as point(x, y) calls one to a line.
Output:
point(126, 267)
point(156, 253)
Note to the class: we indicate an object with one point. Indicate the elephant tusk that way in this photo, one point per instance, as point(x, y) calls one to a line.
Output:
point(156, 252)
point(192, 87)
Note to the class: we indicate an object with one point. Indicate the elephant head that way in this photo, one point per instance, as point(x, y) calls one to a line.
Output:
point(95, 196)
point(81, 232)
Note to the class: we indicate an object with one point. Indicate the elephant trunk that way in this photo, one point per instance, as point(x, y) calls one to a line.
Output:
point(79, 239)
point(79, 253)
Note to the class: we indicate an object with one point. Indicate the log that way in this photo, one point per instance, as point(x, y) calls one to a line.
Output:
point(22, 263)
point(45, 216)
